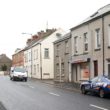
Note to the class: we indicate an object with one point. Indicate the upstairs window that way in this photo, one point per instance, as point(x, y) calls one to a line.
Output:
point(29, 56)
point(66, 47)
point(46, 53)
point(85, 42)
point(97, 39)
point(76, 44)
point(57, 50)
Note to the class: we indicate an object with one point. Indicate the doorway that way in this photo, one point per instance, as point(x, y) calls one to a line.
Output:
point(95, 68)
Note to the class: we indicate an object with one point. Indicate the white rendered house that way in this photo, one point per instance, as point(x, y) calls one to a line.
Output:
point(43, 56)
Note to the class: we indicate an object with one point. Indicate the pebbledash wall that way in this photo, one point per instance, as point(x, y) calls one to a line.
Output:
point(90, 47)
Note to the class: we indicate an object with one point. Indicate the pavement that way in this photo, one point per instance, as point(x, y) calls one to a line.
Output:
point(62, 85)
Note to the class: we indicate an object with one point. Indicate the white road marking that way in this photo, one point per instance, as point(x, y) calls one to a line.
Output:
point(31, 87)
point(53, 94)
point(95, 106)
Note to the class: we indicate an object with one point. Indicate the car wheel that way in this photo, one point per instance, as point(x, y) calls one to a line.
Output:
point(13, 79)
point(10, 78)
point(83, 90)
point(101, 93)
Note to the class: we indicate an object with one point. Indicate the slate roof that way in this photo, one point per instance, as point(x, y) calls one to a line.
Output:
point(99, 13)
point(66, 36)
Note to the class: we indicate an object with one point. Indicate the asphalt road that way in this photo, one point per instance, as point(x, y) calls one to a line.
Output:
point(34, 95)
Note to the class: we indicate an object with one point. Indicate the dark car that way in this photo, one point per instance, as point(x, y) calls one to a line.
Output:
point(99, 85)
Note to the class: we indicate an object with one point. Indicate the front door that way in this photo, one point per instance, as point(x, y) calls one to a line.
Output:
point(109, 70)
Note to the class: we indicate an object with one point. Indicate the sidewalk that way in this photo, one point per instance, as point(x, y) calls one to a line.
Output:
point(67, 86)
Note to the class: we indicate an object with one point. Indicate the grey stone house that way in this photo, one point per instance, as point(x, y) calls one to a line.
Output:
point(91, 46)
point(62, 53)
point(4, 60)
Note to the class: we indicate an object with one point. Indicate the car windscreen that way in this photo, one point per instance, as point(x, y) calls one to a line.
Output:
point(20, 70)
point(106, 80)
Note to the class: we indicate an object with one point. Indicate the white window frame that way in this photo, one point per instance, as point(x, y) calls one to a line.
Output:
point(46, 53)
point(57, 49)
point(76, 45)
point(62, 68)
point(34, 69)
point(97, 38)
point(37, 67)
point(66, 46)
point(86, 42)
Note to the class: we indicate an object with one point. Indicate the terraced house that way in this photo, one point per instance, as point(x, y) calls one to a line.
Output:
point(62, 53)
point(39, 56)
point(91, 46)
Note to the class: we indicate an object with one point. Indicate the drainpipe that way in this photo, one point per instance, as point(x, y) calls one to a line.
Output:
point(103, 45)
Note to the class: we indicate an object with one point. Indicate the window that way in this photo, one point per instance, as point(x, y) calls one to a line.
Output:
point(57, 69)
point(46, 53)
point(37, 67)
point(76, 44)
point(62, 68)
point(35, 54)
point(97, 39)
point(85, 42)
point(34, 69)
point(66, 47)
point(57, 50)
point(109, 35)
point(29, 56)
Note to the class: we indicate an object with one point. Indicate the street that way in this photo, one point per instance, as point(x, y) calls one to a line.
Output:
point(35, 95)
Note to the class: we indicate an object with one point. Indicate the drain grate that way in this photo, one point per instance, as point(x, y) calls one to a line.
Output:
point(2, 106)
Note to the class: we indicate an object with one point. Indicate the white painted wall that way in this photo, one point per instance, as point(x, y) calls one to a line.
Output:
point(28, 64)
point(46, 64)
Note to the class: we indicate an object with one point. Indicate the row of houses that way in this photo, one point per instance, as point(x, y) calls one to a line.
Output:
point(79, 55)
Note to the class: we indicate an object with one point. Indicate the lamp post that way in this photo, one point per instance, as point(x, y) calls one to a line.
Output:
point(29, 54)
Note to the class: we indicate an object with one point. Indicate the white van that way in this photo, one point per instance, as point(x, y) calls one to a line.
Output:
point(18, 73)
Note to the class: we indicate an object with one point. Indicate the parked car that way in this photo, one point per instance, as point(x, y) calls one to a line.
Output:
point(17, 73)
point(99, 85)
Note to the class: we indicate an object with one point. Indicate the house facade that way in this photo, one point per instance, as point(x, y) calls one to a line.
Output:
point(90, 47)
point(43, 56)
point(62, 53)
point(18, 58)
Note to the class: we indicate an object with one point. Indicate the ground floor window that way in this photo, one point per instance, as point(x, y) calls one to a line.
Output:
point(85, 71)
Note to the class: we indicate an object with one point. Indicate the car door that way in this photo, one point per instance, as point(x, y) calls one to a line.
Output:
point(94, 82)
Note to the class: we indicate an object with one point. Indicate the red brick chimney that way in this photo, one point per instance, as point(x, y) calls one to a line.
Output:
point(28, 41)
point(34, 37)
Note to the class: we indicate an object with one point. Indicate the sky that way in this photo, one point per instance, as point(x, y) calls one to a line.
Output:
point(31, 16)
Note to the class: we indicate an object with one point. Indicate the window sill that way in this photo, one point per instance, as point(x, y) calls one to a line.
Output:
point(46, 58)
point(85, 52)
point(97, 49)
point(57, 55)
point(66, 53)
point(76, 54)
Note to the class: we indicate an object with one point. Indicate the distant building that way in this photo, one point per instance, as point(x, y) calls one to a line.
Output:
point(4, 60)
point(18, 58)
